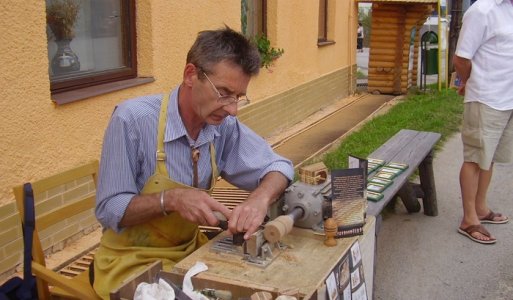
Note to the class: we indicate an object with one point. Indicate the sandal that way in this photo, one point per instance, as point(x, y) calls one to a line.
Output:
point(477, 228)
point(491, 216)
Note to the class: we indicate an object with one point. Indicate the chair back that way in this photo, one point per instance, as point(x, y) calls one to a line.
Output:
point(63, 207)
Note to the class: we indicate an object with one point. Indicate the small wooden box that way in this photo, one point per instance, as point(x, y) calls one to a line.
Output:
point(313, 174)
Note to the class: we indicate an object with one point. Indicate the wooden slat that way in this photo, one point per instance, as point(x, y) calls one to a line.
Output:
point(64, 212)
point(78, 265)
point(64, 177)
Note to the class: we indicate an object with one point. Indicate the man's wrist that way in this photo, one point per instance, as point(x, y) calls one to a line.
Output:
point(162, 204)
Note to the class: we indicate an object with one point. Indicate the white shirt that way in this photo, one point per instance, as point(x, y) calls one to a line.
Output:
point(486, 38)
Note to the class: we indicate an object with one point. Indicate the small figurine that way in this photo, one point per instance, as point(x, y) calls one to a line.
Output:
point(330, 229)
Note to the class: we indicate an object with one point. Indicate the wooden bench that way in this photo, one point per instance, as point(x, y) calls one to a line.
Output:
point(414, 148)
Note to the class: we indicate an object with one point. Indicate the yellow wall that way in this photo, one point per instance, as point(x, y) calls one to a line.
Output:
point(38, 138)
point(293, 25)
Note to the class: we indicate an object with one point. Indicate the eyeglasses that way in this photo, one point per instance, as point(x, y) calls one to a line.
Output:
point(226, 99)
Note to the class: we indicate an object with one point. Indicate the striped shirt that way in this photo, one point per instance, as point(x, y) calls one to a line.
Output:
point(130, 143)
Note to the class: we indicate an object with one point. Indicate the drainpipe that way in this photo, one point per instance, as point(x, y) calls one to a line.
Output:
point(351, 44)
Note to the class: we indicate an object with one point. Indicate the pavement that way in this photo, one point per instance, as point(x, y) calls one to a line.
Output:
point(422, 257)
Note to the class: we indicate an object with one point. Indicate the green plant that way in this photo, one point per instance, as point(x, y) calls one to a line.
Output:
point(268, 54)
point(61, 16)
point(433, 111)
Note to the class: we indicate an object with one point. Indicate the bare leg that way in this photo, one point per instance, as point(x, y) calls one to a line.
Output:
point(471, 187)
point(482, 188)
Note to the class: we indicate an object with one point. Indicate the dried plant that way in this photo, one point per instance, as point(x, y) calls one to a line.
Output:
point(61, 16)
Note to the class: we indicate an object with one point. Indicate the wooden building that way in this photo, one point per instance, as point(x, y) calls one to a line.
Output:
point(394, 43)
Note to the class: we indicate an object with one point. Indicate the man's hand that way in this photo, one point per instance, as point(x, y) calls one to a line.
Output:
point(195, 206)
point(461, 89)
point(463, 67)
point(250, 214)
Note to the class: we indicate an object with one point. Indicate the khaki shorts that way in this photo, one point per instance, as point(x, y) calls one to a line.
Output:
point(487, 135)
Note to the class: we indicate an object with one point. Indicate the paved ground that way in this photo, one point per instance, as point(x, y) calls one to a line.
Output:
point(421, 257)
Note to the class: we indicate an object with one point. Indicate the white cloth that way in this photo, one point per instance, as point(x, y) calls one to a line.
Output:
point(486, 38)
point(154, 291)
point(187, 287)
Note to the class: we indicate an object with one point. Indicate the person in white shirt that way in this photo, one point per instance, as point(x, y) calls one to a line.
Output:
point(484, 63)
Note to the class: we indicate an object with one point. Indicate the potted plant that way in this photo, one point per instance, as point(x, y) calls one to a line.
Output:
point(268, 54)
point(61, 16)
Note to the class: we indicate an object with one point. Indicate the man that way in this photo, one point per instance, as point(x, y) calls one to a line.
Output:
point(359, 37)
point(162, 155)
point(484, 63)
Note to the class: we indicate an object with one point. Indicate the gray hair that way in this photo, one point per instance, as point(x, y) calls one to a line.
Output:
point(213, 46)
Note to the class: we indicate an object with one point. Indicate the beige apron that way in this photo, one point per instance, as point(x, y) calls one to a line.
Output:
point(167, 238)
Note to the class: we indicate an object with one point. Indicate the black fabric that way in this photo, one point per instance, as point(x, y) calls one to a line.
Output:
point(17, 288)
point(91, 273)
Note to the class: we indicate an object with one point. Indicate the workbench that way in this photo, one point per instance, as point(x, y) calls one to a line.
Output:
point(299, 270)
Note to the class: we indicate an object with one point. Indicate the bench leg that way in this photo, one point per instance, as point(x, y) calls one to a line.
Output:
point(427, 182)
point(409, 197)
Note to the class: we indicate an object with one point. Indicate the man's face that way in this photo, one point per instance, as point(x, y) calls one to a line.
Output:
point(224, 79)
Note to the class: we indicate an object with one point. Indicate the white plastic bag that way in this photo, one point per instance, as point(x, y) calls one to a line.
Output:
point(154, 291)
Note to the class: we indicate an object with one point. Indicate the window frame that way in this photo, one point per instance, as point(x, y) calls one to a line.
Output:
point(108, 76)
point(262, 17)
point(323, 28)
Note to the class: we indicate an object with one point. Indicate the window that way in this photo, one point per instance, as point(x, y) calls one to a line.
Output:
point(90, 42)
point(323, 21)
point(254, 17)
point(326, 24)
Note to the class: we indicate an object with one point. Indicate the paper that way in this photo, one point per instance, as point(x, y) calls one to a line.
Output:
point(187, 287)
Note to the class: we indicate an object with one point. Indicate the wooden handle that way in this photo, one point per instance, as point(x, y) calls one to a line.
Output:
point(276, 229)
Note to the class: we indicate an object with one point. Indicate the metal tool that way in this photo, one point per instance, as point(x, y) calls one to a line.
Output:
point(303, 206)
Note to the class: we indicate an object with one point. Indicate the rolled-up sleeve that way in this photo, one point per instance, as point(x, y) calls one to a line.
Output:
point(246, 157)
point(117, 175)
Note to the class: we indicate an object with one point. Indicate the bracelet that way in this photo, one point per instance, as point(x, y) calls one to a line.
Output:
point(164, 212)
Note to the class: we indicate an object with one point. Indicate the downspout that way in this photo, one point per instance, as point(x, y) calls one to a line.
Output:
point(352, 36)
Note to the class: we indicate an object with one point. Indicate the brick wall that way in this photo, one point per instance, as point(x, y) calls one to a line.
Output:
point(54, 238)
point(290, 107)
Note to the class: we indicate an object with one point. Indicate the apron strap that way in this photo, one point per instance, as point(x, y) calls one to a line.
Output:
point(160, 164)
point(214, 167)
